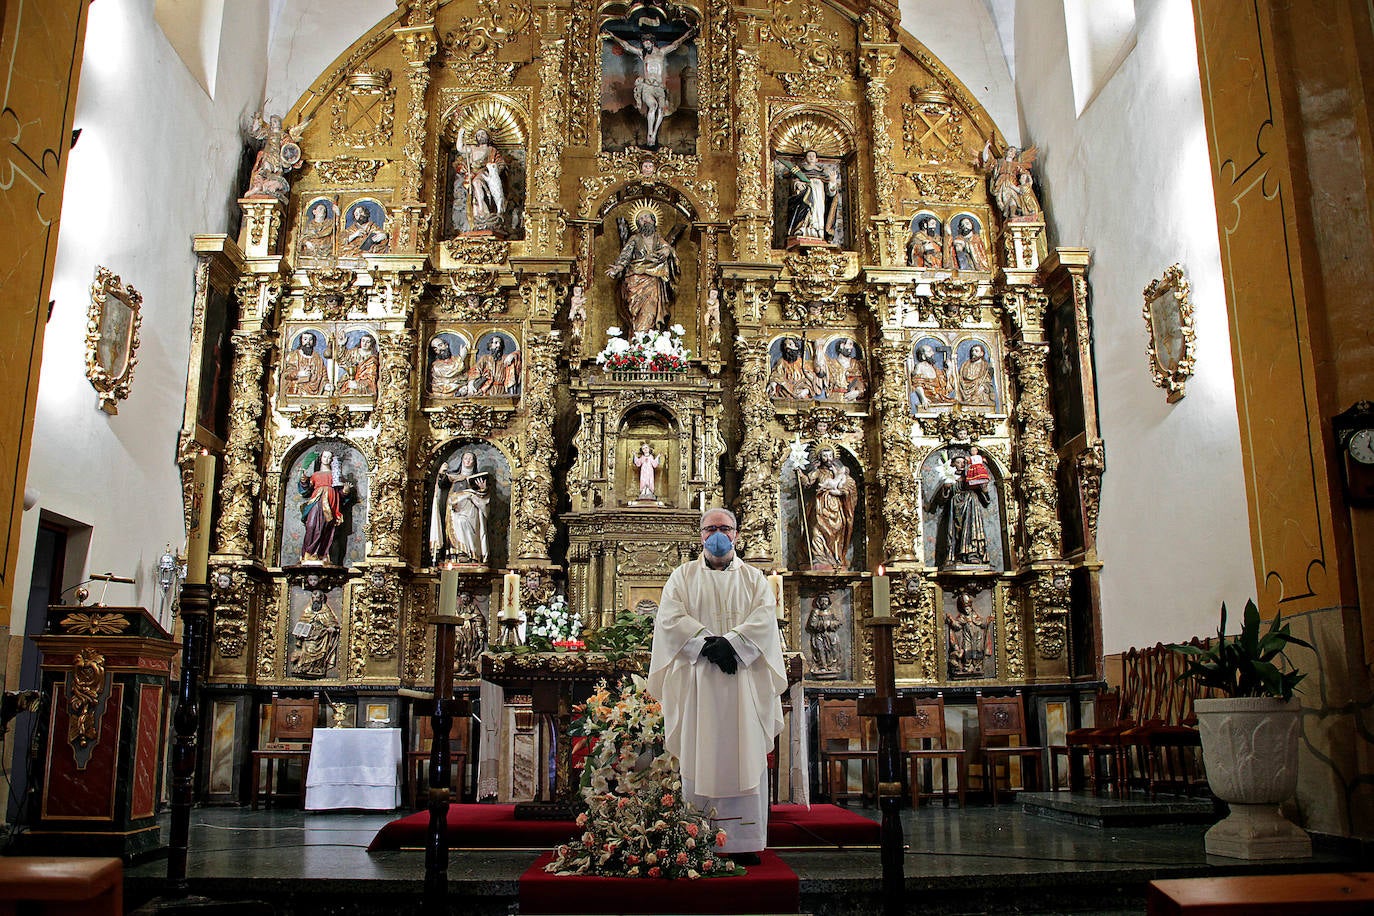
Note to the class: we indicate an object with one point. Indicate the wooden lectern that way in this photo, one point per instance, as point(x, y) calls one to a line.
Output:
point(102, 739)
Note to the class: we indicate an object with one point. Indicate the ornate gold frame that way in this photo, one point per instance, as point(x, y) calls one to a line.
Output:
point(110, 372)
point(1170, 371)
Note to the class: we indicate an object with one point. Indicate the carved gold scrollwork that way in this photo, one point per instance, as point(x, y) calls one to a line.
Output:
point(373, 632)
point(1092, 462)
point(229, 595)
point(364, 110)
point(647, 558)
point(87, 685)
point(758, 454)
point(720, 47)
point(329, 419)
point(112, 323)
point(422, 596)
point(477, 421)
point(933, 128)
point(901, 508)
point(1024, 306)
point(473, 250)
point(417, 45)
point(1168, 313)
point(914, 605)
point(1038, 461)
point(1012, 628)
point(471, 51)
point(94, 624)
point(386, 517)
point(532, 496)
point(331, 293)
point(876, 63)
point(242, 483)
point(348, 170)
point(751, 231)
point(797, 27)
point(1049, 594)
point(820, 422)
point(951, 302)
point(957, 426)
point(816, 275)
point(943, 186)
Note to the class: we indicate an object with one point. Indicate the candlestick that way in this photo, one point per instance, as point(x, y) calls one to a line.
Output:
point(510, 598)
point(882, 594)
point(198, 536)
point(448, 592)
point(775, 582)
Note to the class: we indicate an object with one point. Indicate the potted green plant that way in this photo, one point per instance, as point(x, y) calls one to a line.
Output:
point(1249, 734)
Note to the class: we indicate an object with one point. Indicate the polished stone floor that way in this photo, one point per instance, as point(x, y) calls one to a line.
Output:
point(977, 860)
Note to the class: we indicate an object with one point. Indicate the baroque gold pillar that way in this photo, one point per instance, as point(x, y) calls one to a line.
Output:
point(533, 482)
point(758, 482)
point(386, 516)
point(876, 63)
point(544, 220)
point(901, 507)
point(418, 43)
point(1037, 461)
point(750, 231)
point(241, 483)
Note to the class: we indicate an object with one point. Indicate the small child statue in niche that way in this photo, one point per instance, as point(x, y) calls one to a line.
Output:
point(577, 315)
point(648, 463)
point(976, 472)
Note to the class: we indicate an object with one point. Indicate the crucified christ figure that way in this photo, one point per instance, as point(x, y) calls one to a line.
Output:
point(651, 88)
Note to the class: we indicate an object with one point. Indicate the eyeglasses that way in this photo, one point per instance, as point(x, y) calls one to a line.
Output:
point(712, 529)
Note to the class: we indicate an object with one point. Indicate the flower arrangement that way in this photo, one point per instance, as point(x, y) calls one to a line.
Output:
point(645, 351)
point(637, 824)
point(553, 624)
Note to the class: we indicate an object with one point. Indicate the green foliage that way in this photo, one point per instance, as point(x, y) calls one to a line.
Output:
point(1244, 665)
point(629, 634)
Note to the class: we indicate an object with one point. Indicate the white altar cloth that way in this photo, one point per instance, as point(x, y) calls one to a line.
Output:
point(354, 768)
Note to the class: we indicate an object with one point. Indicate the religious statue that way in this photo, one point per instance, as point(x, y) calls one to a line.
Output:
point(316, 238)
point(495, 372)
point(930, 383)
point(1010, 182)
point(304, 373)
point(846, 378)
point(446, 375)
point(968, 638)
point(791, 378)
point(925, 248)
point(317, 638)
point(651, 86)
point(963, 537)
point(462, 500)
point(976, 387)
point(360, 367)
point(326, 508)
point(830, 510)
point(648, 463)
point(481, 171)
point(469, 637)
point(363, 235)
point(577, 316)
point(280, 154)
point(646, 268)
point(967, 248)
point(811, 206)
point(824, 627)
point(713, 317)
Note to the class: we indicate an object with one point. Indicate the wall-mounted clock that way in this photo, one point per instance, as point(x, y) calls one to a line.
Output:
point(1354, 431)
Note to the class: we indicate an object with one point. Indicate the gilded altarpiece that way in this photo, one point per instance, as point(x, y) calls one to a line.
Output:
point(853, 336)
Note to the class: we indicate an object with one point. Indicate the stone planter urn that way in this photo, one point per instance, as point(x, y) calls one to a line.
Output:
point(1250, 749)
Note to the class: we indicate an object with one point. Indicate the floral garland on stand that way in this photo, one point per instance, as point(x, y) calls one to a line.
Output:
point(645, 351)
point(637, 824)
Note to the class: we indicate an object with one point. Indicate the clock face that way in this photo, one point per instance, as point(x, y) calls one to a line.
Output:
point(1361, 446)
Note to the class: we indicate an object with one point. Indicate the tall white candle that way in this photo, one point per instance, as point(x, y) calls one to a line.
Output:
point(510, 605)
point(448, 592)
point(882, 594)
point(775, 582)
point(198, 536)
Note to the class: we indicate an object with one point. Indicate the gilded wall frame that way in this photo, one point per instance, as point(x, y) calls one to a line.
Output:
point(112, 324)
point(1168, 313)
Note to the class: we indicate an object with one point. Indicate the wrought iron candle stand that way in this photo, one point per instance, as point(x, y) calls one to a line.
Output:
point(195, 606)
point(888, 708)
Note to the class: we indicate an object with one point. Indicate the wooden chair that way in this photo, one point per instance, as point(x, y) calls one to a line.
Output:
point(1164, 749)
point(923, 740)
point(293, 722)
point(1003, 719)
point(1092, 750)
point(841, 729)
point(417, 760)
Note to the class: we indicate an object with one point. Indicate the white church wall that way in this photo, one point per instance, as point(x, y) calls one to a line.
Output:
point(308, 35)
point(1129, 178)
point(154, 164)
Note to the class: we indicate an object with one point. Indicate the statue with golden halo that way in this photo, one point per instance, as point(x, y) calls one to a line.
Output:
point(646, 268)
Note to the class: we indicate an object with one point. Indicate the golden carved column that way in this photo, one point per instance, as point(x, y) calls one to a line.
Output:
point(751, 230)
point(876, 63)
point(241, 483)
point(386, 486)
point(418, 43)
point(757, 458)
point(533, 481)
point(901, 508)
point(1037, 461)
point(544, 220)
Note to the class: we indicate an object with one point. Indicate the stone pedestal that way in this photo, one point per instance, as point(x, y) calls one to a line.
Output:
point(105, 677)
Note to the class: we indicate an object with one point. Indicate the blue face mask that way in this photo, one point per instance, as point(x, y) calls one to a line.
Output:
point(718, 544)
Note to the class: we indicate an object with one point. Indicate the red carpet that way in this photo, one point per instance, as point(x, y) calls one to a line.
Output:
point(487, 826)
point(769, 887)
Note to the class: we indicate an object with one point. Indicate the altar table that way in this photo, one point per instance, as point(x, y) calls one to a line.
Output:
point(354, 768)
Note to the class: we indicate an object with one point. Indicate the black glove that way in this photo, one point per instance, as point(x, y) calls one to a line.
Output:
point(718, 651)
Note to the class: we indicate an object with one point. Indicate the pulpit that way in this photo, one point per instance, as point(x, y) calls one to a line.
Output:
point(105, 677)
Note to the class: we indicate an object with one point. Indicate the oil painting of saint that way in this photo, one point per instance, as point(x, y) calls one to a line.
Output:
point(932, 384)
point(793, 376)
point(649, 85)
point(977, 378)
point(968, 251)
point(926, 246)
point(843, 370)
point(315, 238)
point(808, 201)
point(358, 365)
point(470, 505)
point(446, 376)
point(364, 232)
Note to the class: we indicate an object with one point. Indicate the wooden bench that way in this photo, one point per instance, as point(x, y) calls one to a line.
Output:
point(1261, 895)
point(61, 886)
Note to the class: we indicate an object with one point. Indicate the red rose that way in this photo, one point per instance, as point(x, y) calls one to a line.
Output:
point(655, 872)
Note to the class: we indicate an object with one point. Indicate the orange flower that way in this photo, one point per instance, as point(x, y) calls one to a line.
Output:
point(655, 872)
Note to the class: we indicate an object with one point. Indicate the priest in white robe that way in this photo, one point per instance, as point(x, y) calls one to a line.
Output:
point(717, 668)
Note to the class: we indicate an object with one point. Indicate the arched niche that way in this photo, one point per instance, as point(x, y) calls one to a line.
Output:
point(825, 534)
point(324, 504)
point(656, 427)
point(812, 158)
point(480, 175)
point(449, 524)
point(963, 508)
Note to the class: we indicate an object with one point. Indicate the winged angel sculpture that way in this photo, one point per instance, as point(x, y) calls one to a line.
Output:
point(1010, 182)
point(280, 154)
